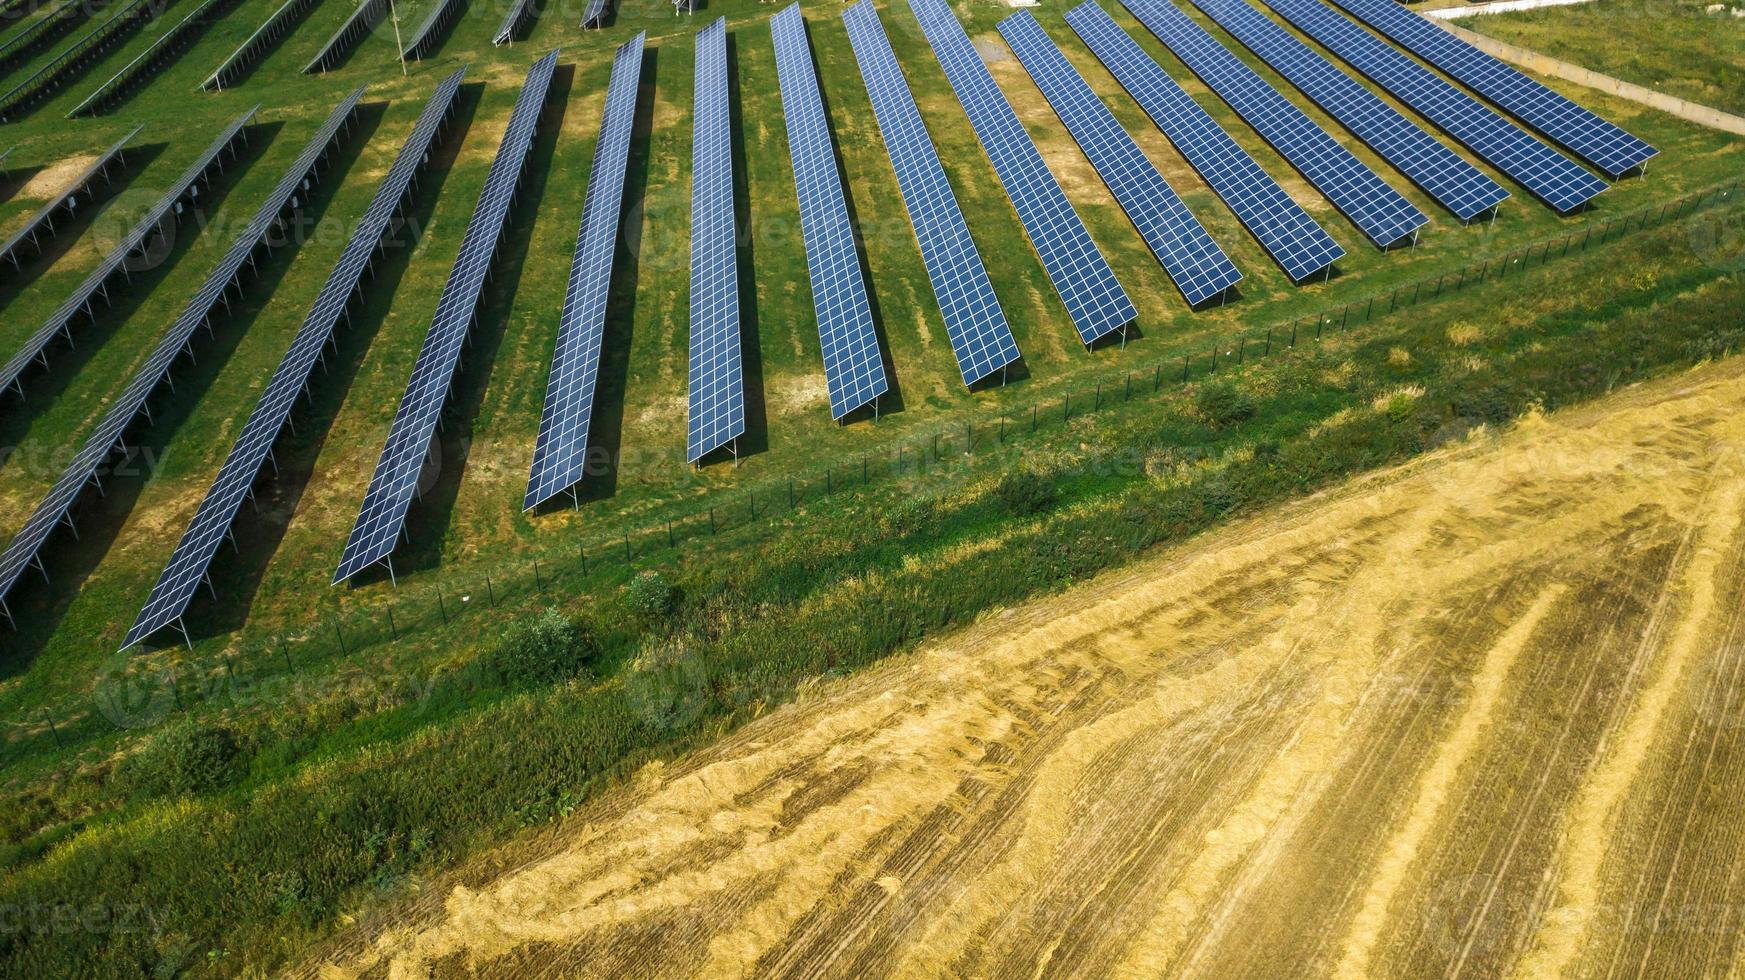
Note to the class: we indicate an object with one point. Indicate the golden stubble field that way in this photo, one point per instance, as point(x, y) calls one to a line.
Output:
point(1483, 715)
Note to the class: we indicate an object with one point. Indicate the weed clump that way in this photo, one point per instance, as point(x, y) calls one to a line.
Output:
point(1223, 405)
point(651, 596)
point(187, 757)
point(1023, 491)
point(545, 650)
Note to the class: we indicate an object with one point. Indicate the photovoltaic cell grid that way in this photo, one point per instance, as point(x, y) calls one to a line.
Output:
point(1087, 286)
point(854, 371)
point(1193, 260)
point(1548, 174)
point(973, 319)
point(25, 547)
point(1445, 175)
point(560, 454)
point(595, 15)
point(60, 321)
point(1379, 211)
point(43, 219)
point(188, 564)
point(717, 380)
point(1601, 143)
point(1280, 224)
point(395, 481)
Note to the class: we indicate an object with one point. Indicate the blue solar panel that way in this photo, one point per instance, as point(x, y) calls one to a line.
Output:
point(395, 482)
point(717, 380)
point(595, 14)
point(977, 326)
point(1094, 299)
point(1194, 261)
point(25, 547)
point(1601, 143)
point(43, 221)
point(1280, 224)
point(560, 454)
point(59, 323)
point(188, 564)
point(1379, 211)
point(854, 371)
point(1444, 174)
point(1548, 174)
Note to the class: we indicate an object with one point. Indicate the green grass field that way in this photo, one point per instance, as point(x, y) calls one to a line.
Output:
point(401, 750)
point(1672, 46)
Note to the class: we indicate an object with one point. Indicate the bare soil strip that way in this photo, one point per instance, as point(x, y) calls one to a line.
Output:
point(1481, 715)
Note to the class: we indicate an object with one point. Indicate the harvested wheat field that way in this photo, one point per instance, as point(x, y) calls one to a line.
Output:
point(1483, 715)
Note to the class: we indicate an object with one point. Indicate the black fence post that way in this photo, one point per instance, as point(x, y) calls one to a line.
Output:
point(441, 606)
point(393, 630)
point(337, 631)
point(538, 580)
point(490, 592)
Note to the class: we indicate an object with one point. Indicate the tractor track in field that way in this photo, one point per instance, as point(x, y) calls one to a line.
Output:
point(1481, 715)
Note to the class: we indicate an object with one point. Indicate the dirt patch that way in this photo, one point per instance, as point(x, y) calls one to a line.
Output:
point(1397, 729)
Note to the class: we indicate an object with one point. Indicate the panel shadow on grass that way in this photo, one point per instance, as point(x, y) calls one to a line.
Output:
point(260, 530)
point(42, 385)
point(892, 400)
point(756, 438)
point(430, 516)
point(70, 228)
point(101, 517)
point(606, 431)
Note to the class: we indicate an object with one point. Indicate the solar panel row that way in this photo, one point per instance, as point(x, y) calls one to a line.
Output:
point(355, 29)
point(1548, 174)
point(277, 25)
point(717, 381)
point(382, 515)
point(161, 216)
point(1196, 264)
point(980, 337)
point(72, 62)
point(1444, 174)
point(1380, 212)
point(24, 551)
point(560, 453)
point(520, 12)
point(188, 566)
point(44, 32)
point(854, 369)
point(429, 35)
point(1280, 224)
point(41, 225)
point(162, 51)
point(1087, 286)
point(1581, 131)
point(595, 14)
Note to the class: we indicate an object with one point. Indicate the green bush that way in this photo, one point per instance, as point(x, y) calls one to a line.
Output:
point(545, 650)
point(1023, 491)
point(185, 758)
point(1223, 405)
point(651, 596)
